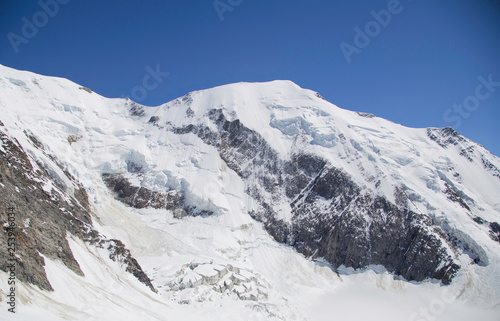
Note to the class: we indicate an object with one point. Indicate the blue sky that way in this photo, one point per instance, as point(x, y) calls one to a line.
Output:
point(414, 65)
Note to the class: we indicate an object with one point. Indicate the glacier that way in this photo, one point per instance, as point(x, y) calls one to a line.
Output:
point(250, 201)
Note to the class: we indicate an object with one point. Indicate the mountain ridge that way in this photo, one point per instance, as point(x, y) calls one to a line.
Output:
point(338, 186)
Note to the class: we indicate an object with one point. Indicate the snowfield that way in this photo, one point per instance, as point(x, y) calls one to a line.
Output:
point(226, 266)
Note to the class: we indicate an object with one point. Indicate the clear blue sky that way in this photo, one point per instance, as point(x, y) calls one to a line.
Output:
point(413, 70)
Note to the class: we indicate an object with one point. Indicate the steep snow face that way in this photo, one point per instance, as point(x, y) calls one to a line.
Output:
point(281, 139)
point(241, 162)
point(292, 119)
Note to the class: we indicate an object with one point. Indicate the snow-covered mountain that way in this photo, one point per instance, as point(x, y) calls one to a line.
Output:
point(250, 201)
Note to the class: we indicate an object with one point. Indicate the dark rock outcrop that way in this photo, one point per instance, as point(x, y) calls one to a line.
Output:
point(332, 217)
point(45, 213)
point(445, 137)
point(141, 197)
point(494, 228)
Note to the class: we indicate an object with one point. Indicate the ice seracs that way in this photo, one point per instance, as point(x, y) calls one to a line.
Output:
point(261, 199)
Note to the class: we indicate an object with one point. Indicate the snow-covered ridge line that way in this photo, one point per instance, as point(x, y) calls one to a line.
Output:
point(339, 186)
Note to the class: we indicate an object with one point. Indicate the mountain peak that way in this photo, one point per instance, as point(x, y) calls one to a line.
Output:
point(204, 198)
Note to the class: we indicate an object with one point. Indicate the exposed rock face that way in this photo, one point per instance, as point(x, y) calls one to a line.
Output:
point(141, 197)
point(332, 217)
point(45, 213)
point(118, 252)
point(494, 228)
point(490, 167)
point(495, 231)
point(445, 137)
point(345, 190)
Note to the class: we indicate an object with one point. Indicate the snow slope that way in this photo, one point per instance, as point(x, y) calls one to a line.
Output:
point(257, 278)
